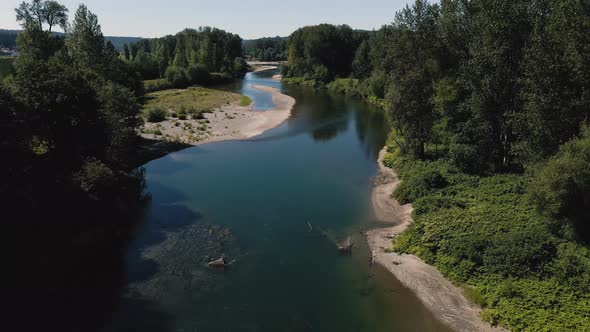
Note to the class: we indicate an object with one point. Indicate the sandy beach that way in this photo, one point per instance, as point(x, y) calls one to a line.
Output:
point(263, 68)
point(229, 122)
point(439, 295)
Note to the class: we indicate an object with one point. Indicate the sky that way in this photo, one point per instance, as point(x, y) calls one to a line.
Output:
point(248, 18)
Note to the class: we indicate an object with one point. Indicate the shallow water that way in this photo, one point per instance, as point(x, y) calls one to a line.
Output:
point(251, 202)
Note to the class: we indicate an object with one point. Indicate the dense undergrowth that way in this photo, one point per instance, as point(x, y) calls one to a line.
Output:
point(528, 272)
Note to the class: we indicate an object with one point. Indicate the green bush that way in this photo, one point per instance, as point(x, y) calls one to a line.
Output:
point(156, 114)
point(96, 179)
point(484, 232)
point(221, 78)
point(198, 74)
point(347, 86)
point(421, 180)
point(561, 189)
point(156, 85)
point(177, 77)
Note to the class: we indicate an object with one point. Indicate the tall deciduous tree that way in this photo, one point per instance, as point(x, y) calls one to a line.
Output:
point(413, 66)
point(55, 14)
point(85, 42)
point(40, 12)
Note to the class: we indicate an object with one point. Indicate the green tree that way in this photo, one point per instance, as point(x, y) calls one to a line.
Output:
point(500, 30)
point(55, 14)
point(177, 76)
point(413, 67)
point(361, 64)
point(561, 188)
point(40, 12)
point(555, 97)
point(126, 52)
point(85, 42)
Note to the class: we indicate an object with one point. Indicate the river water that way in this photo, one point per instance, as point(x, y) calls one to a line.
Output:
point(253, 202)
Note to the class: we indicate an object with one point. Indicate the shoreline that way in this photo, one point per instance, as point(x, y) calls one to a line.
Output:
point(445, 300)
point(229, 122)
point(264, 68)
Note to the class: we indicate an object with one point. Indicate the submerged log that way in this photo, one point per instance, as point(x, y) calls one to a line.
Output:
point(217, 263)
point(345, 247)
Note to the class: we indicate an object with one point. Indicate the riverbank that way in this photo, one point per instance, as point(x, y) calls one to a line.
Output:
point(231, 121)
point(258, 69)
point(440, 296)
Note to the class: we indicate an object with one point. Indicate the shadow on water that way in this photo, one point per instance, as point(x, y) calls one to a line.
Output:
point(165, 215)
point(69, 263)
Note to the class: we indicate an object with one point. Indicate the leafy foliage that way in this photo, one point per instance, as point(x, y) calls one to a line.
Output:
point(322, 52)
point(213, 50)
point(561, 190)
point(156, 114)
point(265, 49)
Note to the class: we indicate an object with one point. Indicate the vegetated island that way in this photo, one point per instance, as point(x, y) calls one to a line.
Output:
point(199, 115)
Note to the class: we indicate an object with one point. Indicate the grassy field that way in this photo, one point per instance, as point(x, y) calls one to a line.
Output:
point(193, 100)
point(156, 85)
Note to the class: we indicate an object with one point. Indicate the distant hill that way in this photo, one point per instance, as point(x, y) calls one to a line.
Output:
point(8, 39)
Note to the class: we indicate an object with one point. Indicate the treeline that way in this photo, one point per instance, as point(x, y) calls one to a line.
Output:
point(70, 192)
point(190, 57)
point(265, 49)
point(323, 52)
point(470, 76)
point(489, 103)
point(8, 39)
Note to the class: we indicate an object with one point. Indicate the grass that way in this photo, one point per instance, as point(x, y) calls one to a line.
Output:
point(194, 100)
point(245, 101)
point(156, 85)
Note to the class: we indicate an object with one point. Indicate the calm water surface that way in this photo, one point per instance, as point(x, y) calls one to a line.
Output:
point(250, 201)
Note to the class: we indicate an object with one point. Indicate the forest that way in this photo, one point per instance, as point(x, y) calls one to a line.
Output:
point(488, 103)
point(193, 56)
point(70, 116)
point(265, 49)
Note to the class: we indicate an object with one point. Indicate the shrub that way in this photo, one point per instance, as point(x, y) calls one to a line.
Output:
point(177, 77)
point(156, 85)
point(561, 189)
point(419, 181)
point(240, 67)
point(196, 114)
point(198, 74)
point(96, 179)
point(156, 114)
point(348, 86)
point(221, 78)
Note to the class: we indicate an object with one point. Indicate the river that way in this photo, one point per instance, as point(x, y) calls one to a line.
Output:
point(253, 202)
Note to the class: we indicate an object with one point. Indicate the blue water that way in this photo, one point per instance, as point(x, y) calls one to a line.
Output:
point(251, 202)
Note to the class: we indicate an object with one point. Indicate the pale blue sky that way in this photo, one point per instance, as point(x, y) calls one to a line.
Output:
point(248, 18)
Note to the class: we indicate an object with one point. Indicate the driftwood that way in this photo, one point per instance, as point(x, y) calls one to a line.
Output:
point(345, 247)
point(217, 263)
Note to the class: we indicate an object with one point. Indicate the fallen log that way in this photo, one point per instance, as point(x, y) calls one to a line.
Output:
point(217, 263)
point(345, 247)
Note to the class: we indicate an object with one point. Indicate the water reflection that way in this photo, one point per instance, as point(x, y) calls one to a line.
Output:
point(250, 201)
